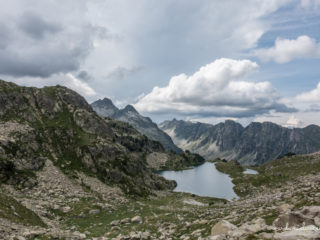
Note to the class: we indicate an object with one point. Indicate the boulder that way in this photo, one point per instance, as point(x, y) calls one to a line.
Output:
point(305, 233)
point(249, 228)
point(136, 219)
point(94, 211)
point(115, 223)
point(304, 217)
point(222, 227)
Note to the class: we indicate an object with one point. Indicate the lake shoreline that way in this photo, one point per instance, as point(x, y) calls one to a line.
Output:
point(202, 180)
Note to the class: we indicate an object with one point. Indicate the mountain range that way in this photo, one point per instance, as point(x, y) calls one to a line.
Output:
point(252, 145)
point(129, 114)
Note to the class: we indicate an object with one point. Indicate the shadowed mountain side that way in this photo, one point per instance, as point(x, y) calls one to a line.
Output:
point(130, 115)
point(255, 144)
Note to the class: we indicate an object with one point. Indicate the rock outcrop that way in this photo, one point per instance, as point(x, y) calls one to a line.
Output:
point(56, 123)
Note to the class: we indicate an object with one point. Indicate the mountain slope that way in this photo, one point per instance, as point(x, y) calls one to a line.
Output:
point(255, 144)
point(130, 115)
point(56, 124)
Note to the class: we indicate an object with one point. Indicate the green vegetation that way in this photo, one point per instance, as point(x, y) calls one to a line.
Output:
point(168, 209)
point(183, 161)
point(271, 174)
point(15, 212)
point(232, 168)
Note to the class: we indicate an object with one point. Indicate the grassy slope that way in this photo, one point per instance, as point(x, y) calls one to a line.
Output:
point(15, 212)
point(154, 211)
point(272, 174)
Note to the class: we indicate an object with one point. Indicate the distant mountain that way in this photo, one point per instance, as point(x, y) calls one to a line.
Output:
point(255, 144)
point(129, 114)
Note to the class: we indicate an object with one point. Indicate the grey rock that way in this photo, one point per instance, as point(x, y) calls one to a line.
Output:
point(130, 115)
point(222, 227)
point(94, 211)
point(255, 144)
point(136, 219)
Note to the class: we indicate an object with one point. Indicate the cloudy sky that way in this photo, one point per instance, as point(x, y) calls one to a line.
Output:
point(205, 60)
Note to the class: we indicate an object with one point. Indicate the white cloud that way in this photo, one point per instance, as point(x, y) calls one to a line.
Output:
point(217, 89)
point(67, 80)
point(78, 86)
point(310, 3)
point(286, 50)
point(307, 104)
point(292, 122)
point(312, 96)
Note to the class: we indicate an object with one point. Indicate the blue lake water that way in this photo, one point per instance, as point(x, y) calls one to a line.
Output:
point(203, 180)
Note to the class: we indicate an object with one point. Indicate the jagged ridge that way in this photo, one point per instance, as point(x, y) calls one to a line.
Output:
point(255, 144)
point(129, 114)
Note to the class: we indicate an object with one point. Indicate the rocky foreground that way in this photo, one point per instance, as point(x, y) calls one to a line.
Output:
point(86, 208)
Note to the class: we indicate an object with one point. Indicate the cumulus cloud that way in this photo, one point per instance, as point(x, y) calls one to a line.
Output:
point(312, 96)
point(286, 50)
point(292, 122)
point(217, 89)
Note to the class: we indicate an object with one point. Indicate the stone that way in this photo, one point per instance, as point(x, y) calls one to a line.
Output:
point(66, 209)
point(115, 223)
point(203, 221)
point(218, 237)
point(222, 227)
point(285, 208)
point(145, 235)
point(249, 228)
point(136, 219)
point(20, 238)
point(304, 233)
point(94, 211)
point(79, 235)
point(125, 221)
point(293, 219)
point(317, 221)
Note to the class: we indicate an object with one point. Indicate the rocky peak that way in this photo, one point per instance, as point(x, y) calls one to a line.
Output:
point(130, 108)
point(143, 124)
point(105, 107)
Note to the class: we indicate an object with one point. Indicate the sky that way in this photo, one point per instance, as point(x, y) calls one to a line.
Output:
point(204, 60)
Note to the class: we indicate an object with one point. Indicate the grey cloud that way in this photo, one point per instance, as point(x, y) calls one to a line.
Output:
point(4, 36)
point(313, 108)
point(104, 33)
point(223, 111)
point(84, 75)
point(36, 27)
point(39, 64)
point(36, 46)
point(121, 73)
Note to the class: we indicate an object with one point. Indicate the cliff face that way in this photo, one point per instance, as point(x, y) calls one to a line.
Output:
point(57, 124)
point(255, 144)
point(129, 114)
